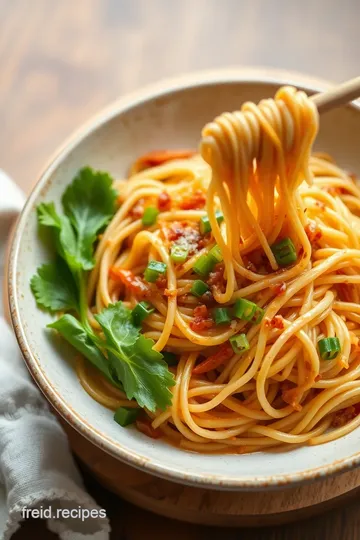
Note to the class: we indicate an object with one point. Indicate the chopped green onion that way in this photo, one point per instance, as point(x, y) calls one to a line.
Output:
point(179, 254)
point(170, 358)
point(199, 288)
point(153, 270)
point(141, 311)
point(204, 265)
point(149, 216)
point(239, 343)
point(125, 416)
point(284, 252)
point(219, 216)
point(216, 253)
point(205, 226)
point(329, 348)
point(248, 311)
point(222, 316)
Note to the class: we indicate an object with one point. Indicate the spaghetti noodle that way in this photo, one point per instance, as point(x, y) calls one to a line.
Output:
point(260, 299)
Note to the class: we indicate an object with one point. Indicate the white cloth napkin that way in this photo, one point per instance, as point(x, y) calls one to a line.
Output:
point(37, 470)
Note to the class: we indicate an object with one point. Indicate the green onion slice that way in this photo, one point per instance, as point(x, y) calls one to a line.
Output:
point(205, 226)
point(221, 316)
point(329, 348)
point(141, 311)
point(149, 216)
point(125, 416)
point(179, 254)
point(216, 253)
point(284, 252)
point(204, 265)
point(239, 343)
point(199, 288)
point(153, 270)
point(248, 311)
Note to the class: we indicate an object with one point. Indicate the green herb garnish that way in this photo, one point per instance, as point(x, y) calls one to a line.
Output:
point(149, 216)
point(205, 226)
point(124, 356)
point(199, 288)
point(204, 265)
point(248, 311)
point(239, 343)
point(154, 270)
point(125, 416)
point(141, 311)
point(215, 253)
point(284, 252)
point(179, 254)
point(222, 316)
point(329, 348)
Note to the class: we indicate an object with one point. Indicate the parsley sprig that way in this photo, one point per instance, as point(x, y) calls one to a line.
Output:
point(124, 356)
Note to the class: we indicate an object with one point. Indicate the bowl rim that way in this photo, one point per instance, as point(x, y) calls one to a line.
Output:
point(149, 93)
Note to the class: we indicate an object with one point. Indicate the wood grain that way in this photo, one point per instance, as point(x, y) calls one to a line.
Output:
point(63, 60)
point(210, 507)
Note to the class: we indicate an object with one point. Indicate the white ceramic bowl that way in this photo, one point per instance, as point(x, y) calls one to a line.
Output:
point(166, 115)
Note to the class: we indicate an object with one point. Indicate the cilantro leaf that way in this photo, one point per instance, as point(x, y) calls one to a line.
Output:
point(124, 356)
point(65, 239)
point(75, 333)
point(89, 202)
point(54, 288)
point(116, 319)
point(142, 371)
point(48, 216)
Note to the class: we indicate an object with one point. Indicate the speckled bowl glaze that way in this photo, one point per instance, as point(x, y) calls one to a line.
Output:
point(169, 114)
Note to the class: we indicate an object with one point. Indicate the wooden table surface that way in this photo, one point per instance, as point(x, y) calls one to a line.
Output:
point(62, 60)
